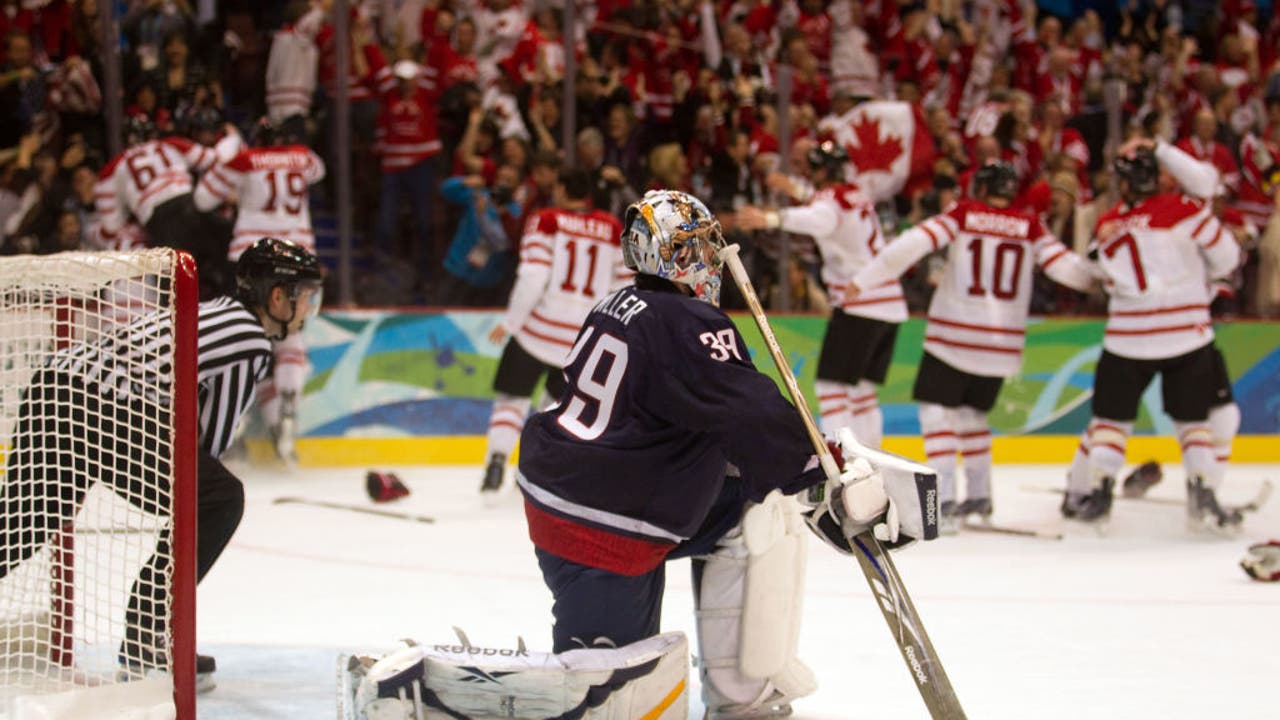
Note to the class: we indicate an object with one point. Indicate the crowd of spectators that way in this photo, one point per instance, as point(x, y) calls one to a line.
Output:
point(457, 132)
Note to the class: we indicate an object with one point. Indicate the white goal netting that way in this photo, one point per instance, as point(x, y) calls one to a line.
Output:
point(90, 421)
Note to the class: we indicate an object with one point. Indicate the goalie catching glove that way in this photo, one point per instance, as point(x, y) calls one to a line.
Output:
point(895, 498)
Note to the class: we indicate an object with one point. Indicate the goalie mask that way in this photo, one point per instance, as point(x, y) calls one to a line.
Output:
point(672, 235)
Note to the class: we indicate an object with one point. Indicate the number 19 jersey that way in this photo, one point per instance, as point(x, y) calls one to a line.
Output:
point(269, 188)
point(661, 396)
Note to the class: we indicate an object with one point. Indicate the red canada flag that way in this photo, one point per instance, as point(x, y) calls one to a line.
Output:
point(888, 144)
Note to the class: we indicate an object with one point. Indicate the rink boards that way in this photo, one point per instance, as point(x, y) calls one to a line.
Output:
point(392, 386)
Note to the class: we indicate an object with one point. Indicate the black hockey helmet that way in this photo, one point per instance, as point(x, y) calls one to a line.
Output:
point(1140, 171)
point(265, 133)
point(272, 263)
point(139, 128)
point(828, 155)
point(204, 119)
point(996, 179)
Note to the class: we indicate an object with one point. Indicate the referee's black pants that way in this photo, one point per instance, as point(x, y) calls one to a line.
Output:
point(68, 437)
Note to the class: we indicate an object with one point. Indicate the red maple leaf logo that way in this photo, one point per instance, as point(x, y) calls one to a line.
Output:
point(872, 152)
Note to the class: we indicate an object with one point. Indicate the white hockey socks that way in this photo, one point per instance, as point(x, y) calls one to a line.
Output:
point(1224, 423)
point(973, 435)
point(833, 406)
point(1196, 441)
point(940, 447)
point(288, 375)
point(1078, 480)
point(505, 423)
point(1107, 441)
point(868, 420)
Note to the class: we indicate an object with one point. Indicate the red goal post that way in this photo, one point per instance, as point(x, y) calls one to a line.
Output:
point(72, 547)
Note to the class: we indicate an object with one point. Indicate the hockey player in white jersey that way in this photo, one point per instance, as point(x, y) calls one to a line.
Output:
point(858, 344)
point(151, 183)
point(570, 259)
point(1157, 252)
point(268, 184)
point(977, 322)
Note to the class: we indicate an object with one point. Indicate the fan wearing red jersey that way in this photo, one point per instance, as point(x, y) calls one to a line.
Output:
point(977, 322)
point(151, 182)
point(570, 259)
point(268, 184)
point(858, 344)
point(1156, 252)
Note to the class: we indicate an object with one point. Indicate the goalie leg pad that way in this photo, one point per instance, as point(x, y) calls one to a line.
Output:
point(749, 604)
point(647, 679)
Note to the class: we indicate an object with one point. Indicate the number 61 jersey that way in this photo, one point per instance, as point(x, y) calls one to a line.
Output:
point(661, 396)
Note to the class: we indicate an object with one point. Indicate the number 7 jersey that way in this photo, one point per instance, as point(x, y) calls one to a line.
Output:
point(978, 315)
point(1157, 258)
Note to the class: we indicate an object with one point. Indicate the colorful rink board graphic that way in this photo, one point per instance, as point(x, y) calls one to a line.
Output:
point(404, 382)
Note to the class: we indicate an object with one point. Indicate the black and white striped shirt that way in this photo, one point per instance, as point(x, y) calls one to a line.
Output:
point(233, 353)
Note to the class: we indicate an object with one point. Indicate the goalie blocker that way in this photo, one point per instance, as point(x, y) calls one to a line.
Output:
point(894, 497)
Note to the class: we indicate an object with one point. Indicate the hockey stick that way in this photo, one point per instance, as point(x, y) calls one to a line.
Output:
point(353, 508)
point(1260, 498)
point(1008, 530)
point(895, 603)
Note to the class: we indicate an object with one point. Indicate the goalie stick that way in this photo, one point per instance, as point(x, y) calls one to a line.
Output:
point(354, 508)
point(876, 564)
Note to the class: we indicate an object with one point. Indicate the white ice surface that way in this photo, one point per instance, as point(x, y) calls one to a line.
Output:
point(1146, 622)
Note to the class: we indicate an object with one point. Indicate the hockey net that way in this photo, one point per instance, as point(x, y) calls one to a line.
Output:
point(72, 547)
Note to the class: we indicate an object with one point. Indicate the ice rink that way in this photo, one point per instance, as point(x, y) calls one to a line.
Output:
point(1148, 621)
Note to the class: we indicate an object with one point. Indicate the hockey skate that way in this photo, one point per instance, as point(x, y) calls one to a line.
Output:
point(135, 668)
point(1143, 477)
point(764, 710)
point(1093, 507)
point(1204, 511)
point(492, 482)
point(975, 506)
point(948, 518)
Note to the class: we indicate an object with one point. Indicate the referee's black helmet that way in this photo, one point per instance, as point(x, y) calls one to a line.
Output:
point(271, 263)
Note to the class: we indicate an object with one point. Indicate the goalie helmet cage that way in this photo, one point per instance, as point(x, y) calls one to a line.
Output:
point(64, 596)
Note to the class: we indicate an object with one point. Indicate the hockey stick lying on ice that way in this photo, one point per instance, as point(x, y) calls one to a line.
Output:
point(984, 527)
point(1260, 498)
point(353, 508)
point(895, 604)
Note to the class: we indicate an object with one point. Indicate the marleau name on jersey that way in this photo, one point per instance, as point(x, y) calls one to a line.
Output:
point(622, 306)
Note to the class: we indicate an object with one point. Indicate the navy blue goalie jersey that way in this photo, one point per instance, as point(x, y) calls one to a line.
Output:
point(661, 397)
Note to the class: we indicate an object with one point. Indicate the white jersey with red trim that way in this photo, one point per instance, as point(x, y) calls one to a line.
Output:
point(269, 188)
point(145, 176)
point(978, 316)
point(1156, 258)
point(569, 261)
point(844, 224)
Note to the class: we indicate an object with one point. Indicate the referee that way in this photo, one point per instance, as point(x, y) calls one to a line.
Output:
point(84, 404)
